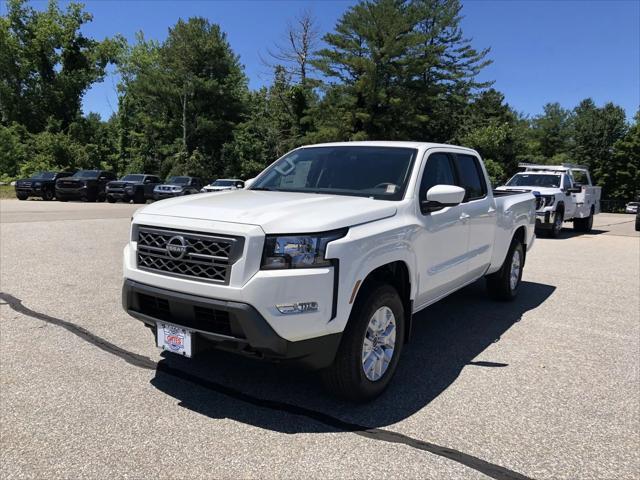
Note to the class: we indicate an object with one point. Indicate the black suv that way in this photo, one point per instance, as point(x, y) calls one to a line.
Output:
point(136, 187)
point(86, 185)
point(41, 184)
point(176, 187)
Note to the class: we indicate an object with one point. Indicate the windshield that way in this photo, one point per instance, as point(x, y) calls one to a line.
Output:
point(223, 183)
point(377, 172)
point(43, 176)
point(132, 178)
point(86, 174)
point(535, 180)
point(178, 180)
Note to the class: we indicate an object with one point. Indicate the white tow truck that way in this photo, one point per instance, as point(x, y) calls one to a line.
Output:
point(326, 256)
point(564, 193)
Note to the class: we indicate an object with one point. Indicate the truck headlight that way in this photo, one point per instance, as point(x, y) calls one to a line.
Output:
point(177, 189)
point(298, 251)
point(548, 200)
point(37, 184)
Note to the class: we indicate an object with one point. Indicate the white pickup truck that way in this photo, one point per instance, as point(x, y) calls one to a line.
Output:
point(564, 193)
point(326, 256)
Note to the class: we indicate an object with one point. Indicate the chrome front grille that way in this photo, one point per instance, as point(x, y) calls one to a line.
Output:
point(195, 255)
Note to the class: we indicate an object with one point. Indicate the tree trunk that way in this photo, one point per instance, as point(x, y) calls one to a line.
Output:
point(184, 120)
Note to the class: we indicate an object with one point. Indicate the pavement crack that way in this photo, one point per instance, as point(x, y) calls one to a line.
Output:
point(129, 357)
point(491, 470)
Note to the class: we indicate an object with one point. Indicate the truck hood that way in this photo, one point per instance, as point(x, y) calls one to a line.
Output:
point(276, 212)
point(540, 190)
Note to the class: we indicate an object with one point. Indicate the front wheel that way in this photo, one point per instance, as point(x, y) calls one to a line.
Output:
point(47, 194)
point(22, 195)
point(370, 347)
point(504, 284)
point(111, 199)
point(556, 228)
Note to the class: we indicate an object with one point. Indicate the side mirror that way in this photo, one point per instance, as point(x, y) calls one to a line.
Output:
point(239, 185)
point(441, 196)
point(249, 182)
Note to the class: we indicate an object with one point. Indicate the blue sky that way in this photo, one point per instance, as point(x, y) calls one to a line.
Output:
point(543, 51)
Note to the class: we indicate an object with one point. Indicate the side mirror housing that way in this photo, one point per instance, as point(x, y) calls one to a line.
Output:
point(441, 196)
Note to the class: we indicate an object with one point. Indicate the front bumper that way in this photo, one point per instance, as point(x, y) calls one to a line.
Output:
point(31, 191)
point(227, 325)
point(71, 193)
point(162, 195)
point(120, 194)
point(545, 219)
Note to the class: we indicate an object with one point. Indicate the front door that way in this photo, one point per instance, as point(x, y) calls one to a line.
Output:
point(442, 239)
point(479, 213)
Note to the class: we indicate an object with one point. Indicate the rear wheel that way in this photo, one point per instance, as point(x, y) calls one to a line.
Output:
point(504, 284)
point(22, 195)
point(370, 347)
point(47, 194)
point(139, 197)
point(584, 224)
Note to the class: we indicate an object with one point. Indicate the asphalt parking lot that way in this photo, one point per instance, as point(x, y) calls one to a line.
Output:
point(544, 387)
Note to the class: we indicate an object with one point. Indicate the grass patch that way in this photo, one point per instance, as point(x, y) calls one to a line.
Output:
point(7, 191)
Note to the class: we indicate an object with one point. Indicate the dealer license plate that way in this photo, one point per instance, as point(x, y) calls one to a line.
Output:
point(174, 339)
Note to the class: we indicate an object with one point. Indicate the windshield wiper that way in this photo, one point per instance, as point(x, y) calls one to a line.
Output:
point(263, 189)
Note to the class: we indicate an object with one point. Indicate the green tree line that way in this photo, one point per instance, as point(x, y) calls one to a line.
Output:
point(389, 70)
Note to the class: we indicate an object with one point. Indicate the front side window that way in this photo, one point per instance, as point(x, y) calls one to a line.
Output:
point(471, 177)
point(580, 177)
point(438, 171)
point(376, 172)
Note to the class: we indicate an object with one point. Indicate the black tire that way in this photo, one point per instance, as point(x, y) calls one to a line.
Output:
point(62, 199)
point(22, 195)
point(584, 224)
point(90, 197)
point(499, 283)
point(111, 199)
point(637, 222)
point(47, 194)
point(139, 197)
point(556, 228)
point(346, 376)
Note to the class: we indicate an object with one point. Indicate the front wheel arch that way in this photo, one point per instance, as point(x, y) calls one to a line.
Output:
point(396, 274)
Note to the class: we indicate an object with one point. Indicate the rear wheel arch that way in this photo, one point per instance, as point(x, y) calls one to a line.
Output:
point(521, 235)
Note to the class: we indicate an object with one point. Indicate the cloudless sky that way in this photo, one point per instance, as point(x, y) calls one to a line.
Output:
point(543, 51)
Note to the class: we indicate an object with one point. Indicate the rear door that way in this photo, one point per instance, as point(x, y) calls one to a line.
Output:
point(441, 241)
point(478, 213)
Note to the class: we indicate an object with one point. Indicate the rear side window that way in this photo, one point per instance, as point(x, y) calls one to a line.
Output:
point(471, 177)
point(438, 171)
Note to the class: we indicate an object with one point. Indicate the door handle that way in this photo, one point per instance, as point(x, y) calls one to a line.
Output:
point(464, 216)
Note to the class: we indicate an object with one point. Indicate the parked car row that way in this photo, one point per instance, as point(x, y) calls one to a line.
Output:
point(101, 185)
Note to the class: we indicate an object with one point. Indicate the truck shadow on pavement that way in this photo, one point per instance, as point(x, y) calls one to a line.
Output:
point(447, 337)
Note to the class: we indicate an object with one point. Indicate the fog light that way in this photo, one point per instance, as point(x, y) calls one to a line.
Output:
point(300, 307)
